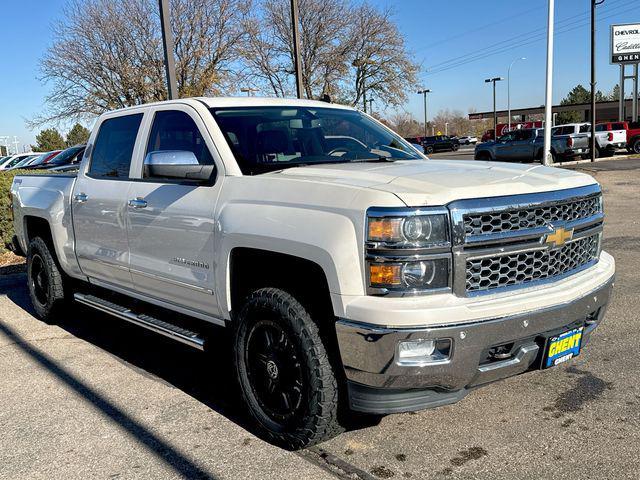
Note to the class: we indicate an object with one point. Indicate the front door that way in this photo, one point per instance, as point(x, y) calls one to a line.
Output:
point(99, 202)
point(171, 224)
point(505, 147)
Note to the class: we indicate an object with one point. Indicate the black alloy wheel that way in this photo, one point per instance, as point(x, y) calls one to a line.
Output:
point(48, 286)
point(636, 146)
point(275, 371)
point(285, 372)
point(39, 280)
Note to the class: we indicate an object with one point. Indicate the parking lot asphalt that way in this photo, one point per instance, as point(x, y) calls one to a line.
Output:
point(97, 398)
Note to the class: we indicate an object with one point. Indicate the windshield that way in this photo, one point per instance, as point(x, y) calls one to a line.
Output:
point(66, 156)
point(272, 138)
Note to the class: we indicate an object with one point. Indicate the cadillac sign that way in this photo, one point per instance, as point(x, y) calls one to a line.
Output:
point(625, 43)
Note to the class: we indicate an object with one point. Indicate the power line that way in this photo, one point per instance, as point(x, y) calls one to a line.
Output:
point(458, 62)
point(476, 29)
point(532, 37)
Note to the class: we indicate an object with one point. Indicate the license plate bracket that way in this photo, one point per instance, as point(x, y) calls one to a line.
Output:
point(562, 347)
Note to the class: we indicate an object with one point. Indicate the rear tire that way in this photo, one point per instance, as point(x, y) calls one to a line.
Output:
point(635, 146)
point(483, 156)
point(285, 374)
point(48, 287)
point(428, 150)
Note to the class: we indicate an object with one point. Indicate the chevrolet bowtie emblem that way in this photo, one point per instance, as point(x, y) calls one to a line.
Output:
point(559, 237)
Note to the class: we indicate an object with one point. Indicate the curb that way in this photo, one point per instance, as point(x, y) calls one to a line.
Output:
point(603, 159)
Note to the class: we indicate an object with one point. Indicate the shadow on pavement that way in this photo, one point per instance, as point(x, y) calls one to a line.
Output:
point(206, 377)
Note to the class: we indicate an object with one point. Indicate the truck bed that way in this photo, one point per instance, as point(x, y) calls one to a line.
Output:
point(46, 197)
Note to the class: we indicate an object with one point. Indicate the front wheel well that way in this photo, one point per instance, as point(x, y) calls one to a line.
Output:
point(251, 269)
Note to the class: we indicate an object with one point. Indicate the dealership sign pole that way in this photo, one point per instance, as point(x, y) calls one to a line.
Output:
point(625, 50)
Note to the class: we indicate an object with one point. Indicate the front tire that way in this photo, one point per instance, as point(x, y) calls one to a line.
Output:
point(285, 374)
point(635, 147)
point(46, 282)
point(428, 150)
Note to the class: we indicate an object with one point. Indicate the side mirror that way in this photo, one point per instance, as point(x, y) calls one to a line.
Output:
point(176, 164)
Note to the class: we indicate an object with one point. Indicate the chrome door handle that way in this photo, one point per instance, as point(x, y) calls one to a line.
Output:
point(80, 197)
point(137, 203)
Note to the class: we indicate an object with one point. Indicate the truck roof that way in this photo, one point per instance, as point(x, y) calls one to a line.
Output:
point(226, 102)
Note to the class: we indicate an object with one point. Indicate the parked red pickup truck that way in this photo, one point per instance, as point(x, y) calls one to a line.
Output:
point(633, 136)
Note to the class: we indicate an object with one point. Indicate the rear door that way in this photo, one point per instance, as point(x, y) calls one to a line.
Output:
point(171, 224)
point(99, 200)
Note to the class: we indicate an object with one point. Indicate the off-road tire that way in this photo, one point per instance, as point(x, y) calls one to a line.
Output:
point(316, 421)
point(50, 301)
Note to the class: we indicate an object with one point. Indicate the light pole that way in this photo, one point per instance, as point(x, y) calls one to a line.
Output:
point(424, 92)
point(446, 128)
point(249, 91)
point(592, 146)
point(495, 114)
point(509, 90)
point(370, 105)
point(548, 100)
point(167, 44)
point(296, 46)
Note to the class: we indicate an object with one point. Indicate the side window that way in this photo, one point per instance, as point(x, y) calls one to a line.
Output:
point(601, 128)
point(114, 147)
point(618, 126)
point(585, 128)
point(175, 130)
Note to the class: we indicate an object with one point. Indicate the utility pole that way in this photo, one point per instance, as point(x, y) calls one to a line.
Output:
point(548, 103)
point(15, 144)
point(509, 90)
point(167, 44)
point(592, 146)
point(446, 128)
point(424, 92)
point(296, 46)
point(495, 114)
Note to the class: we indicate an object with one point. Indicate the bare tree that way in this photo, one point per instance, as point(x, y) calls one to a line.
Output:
point(108, 55)
point(380, 62)
point(323, 24)
point(345, 49)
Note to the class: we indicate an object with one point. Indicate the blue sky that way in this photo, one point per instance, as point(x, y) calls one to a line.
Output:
point(491, 32)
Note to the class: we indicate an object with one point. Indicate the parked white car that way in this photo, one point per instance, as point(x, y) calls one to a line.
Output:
point(466, 140)
point(15, 159)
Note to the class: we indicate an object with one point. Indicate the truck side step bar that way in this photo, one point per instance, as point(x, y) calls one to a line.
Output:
point(169, 330)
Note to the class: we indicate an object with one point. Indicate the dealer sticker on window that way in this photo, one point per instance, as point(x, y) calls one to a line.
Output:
point(563, 347)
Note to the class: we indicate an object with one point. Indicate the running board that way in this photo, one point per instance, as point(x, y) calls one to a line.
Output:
point(150, 323)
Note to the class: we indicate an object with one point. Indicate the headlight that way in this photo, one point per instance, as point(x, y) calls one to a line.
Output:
point(408, 250)
point(415, 230)
point(421, 275)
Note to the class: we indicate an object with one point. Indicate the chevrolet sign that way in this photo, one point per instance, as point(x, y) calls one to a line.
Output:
point(625, 43)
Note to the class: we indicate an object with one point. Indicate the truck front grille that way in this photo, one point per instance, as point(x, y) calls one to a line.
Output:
point(526, 218)
point(521, 268)
point(503, 243)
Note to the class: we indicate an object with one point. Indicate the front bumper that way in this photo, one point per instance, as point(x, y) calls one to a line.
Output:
point(378, 384)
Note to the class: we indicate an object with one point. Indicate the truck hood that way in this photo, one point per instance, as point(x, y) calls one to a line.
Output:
point(438, 182)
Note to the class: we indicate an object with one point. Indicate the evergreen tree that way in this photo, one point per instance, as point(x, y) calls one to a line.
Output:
point(47, 140)
point(77, 135)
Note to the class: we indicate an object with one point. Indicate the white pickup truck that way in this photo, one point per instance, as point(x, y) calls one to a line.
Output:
point(356, 274)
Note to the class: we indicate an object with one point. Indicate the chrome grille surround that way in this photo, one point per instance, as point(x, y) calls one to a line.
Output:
point(508, 258)
point(522, 219)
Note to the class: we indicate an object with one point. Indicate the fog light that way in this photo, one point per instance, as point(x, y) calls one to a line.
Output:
point(423, 352)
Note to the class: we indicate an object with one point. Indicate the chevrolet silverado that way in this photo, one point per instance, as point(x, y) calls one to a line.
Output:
point(354, 273)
